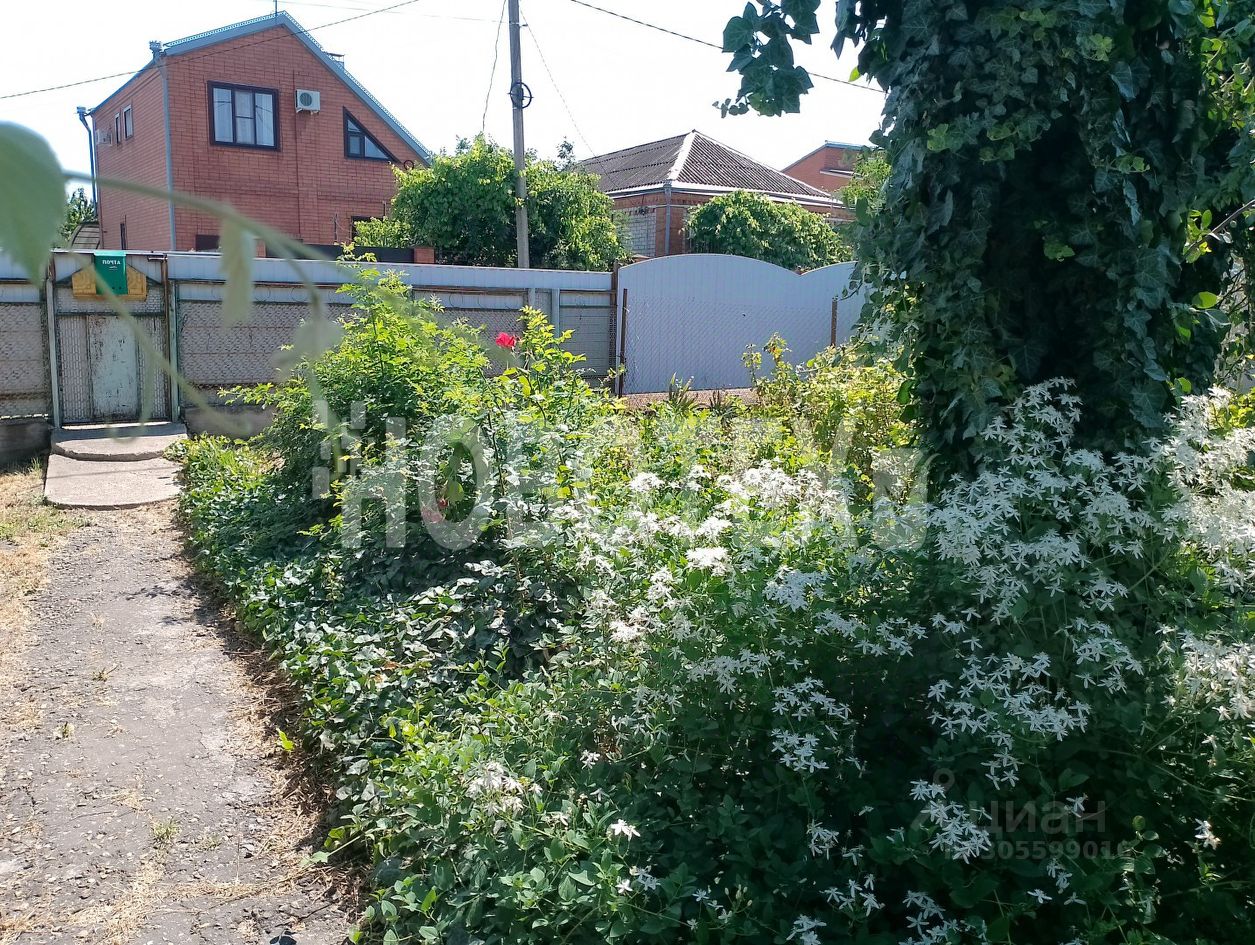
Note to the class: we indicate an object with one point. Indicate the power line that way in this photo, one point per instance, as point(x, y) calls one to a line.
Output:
point(346, 6)
point(557, 88)
point(193, 58)
point(707, 43)
point(492, 73)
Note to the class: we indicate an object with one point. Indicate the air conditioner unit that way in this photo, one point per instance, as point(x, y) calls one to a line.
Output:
point(308, 101)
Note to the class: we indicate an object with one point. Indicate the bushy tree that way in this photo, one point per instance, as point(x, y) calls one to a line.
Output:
point(749, 224)
point(78, 210)
point(1066, 182)
point(464, 204)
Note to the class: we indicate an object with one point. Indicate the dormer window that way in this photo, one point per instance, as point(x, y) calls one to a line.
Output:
point(359, 143)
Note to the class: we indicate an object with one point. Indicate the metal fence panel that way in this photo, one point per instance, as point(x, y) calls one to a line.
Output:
point(23, 353)
point(692, 317)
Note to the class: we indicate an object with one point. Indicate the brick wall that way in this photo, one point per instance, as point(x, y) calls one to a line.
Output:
point(140, 158)
point(830, 158)
point(306, 187)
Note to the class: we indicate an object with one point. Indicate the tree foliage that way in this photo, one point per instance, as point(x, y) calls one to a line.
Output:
point(1064, 195)
point(748, 224)
point(78, 210)
point(464, 205)
point(866, 187)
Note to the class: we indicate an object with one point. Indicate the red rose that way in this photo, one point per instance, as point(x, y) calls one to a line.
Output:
point(507, 341)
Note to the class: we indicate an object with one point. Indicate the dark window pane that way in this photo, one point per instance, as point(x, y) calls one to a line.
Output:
point(355, 145)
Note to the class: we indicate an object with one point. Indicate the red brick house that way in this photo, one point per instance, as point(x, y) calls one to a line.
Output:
point(829, 167)
point(655, 185)
point(257, 115)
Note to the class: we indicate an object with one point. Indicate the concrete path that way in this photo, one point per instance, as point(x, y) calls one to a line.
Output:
point(121, 442)
point(145, 800)
point(112, 466)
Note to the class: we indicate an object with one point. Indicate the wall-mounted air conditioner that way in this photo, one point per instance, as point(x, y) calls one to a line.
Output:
point(308, 101)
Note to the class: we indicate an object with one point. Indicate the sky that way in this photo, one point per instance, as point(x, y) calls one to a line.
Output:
point(603, 83)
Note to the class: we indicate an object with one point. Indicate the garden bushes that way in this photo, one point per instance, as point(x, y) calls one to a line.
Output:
point(692, 681)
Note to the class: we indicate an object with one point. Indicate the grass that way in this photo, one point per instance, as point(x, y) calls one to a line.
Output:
point(28, 528)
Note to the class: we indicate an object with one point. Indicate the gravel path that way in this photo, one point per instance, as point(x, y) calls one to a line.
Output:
point(141, 799)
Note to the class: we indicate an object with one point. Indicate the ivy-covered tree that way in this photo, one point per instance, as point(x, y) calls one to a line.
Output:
point(1068, 178)
point(463, 206)
point(866, 186)
point(748, 224)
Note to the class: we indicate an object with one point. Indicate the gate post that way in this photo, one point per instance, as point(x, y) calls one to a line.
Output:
point(54, 365)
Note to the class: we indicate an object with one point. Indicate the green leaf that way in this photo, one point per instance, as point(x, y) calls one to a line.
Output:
point(1207, 300)
point(285, 742)
point(32, 198)
point(1058, 251)
point(736, 34)
point(236, 245)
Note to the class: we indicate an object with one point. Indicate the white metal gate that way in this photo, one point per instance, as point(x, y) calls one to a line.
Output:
point(690, 318)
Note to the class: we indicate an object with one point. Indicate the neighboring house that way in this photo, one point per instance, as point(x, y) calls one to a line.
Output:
point(655, 185)
point(259, 116)
point(829, 167)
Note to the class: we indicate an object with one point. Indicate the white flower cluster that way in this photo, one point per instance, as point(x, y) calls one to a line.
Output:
point(498, 791)
point(741, 596)
point(1218, 515)
point(1222, 675)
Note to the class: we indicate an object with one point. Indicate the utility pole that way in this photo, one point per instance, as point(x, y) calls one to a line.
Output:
point(520, 98)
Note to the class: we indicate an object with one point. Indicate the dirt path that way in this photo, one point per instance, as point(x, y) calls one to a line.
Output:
point(141, 799)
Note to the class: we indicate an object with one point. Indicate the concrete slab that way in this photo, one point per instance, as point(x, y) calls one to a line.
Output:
point(117, 442)
point(96, 484)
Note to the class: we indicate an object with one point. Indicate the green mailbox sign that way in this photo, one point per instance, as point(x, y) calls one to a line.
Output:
point(111, 271)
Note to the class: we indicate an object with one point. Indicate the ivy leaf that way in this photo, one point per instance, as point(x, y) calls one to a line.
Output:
point(1058, 251)
point(737, 34)
point(235, 244)
point(1122, 75)
point(32, 198)
point(1207, 300)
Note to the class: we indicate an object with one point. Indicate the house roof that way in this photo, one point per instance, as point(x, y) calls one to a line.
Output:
point(833, 146)
point(222, 34)
point(696, 162)
point(86, 236)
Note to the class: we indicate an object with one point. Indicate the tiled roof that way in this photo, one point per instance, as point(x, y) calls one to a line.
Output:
point(696, 160)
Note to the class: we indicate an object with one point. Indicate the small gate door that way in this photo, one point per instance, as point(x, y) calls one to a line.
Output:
point(106, 369)
point(113, 360)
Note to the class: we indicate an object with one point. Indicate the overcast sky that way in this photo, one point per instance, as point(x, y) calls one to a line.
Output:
point(430, 63)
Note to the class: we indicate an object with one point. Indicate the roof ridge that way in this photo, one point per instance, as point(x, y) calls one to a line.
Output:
point(815, 191)
point(682, 156)
point(282, 15)
point(631, 147)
